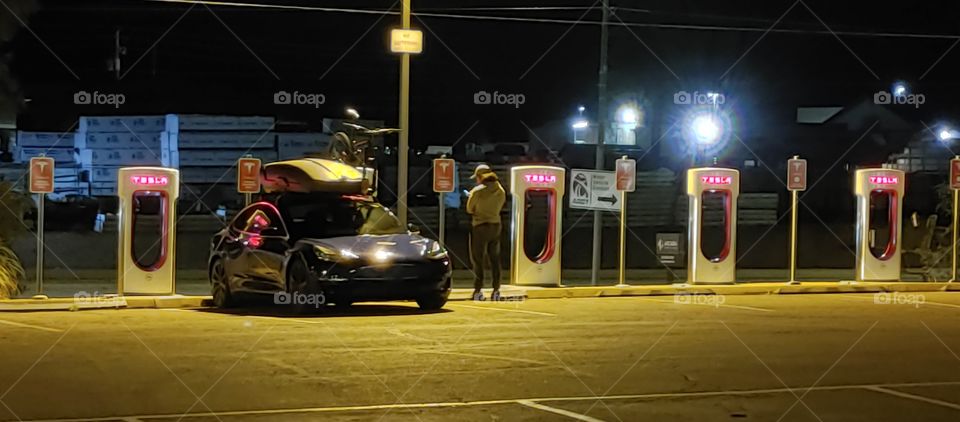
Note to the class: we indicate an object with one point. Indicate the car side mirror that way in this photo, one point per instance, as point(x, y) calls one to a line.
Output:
point(413, 228)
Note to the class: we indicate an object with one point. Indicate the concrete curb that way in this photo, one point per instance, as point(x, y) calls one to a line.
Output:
point(508, 292)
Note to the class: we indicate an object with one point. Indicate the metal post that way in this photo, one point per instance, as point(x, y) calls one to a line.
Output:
point(623, 240)
point(956, 207)
point(443, 219)
point(404, 144)
point(40, 244)
point(601, 127)
point(793, 237)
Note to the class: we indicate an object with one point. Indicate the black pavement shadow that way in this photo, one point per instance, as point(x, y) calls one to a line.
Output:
point(328, 311)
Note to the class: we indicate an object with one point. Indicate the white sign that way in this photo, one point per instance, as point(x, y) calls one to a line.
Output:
point(594, 190)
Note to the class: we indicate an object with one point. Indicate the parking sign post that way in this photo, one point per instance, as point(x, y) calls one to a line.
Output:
point(248, 177)
point(41, 183)
point(626, 182)
point(796, 182)
point(444, 171)
point(955, 187)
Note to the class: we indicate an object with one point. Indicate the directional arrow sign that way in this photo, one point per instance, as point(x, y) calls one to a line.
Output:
point(594, 190)
point(612, 200)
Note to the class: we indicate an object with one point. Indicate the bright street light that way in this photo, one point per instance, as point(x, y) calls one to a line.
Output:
point(706, 129)
point(628, 115)
point(581, 109)
point(945, 134)
point(352, 113)
point(899, 89)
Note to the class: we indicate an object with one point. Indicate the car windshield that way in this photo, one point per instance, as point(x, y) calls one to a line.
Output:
point(324, 216)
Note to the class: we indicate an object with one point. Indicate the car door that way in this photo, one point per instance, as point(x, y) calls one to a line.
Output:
point(233, 250)
point(264, 241)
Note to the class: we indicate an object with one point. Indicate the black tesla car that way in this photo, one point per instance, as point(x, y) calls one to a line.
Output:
point(310, 249)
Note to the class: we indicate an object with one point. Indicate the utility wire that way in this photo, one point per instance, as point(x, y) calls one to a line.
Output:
point(694, 27)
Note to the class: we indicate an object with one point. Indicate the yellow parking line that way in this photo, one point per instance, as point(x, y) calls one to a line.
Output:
point(715, 305)
point(493, 308)
point(35, 327)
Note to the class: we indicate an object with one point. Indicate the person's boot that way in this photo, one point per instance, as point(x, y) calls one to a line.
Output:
point(478, 296)
point(495, 296)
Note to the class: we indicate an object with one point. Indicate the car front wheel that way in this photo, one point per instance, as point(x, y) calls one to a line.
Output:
point(302, 294)
point(432, 301)
point(218, 285)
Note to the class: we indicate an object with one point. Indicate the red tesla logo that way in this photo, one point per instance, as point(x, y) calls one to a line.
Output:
point(716, 180)
point(884, 180)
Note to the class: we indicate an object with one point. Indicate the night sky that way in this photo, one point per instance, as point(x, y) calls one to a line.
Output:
point(230, 60)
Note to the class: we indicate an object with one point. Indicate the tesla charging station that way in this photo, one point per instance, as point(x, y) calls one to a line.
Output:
point(535, 253)
point(716, 262)
point(148, 230)
point(879, 215)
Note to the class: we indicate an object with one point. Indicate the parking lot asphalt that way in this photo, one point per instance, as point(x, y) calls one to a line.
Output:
point(843, 357)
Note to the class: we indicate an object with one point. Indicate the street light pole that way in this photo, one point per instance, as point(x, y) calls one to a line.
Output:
point(601, 128)
point(403, 164)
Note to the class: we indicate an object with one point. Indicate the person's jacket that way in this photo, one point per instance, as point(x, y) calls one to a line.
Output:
point(486, 200)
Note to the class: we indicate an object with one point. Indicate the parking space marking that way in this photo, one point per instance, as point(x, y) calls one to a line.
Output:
point(872, 299)
point(368, 407)
point(557, 411)
point(494, 308)
point(901, 394)
point(712, 305)
point(35, 327)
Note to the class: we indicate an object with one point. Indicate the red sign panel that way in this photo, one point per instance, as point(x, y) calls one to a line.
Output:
point(444, 174)
point(41, 175)
point(796, 174)
point(716, 180)
point(955, 173)
point(248, 175)
point(884, 180)
point(626, 175)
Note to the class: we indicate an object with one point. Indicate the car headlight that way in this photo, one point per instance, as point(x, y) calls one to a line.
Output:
point(436, 251)
point(327, 253)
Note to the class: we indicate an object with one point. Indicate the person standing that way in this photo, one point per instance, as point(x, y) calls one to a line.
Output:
point(484, 203)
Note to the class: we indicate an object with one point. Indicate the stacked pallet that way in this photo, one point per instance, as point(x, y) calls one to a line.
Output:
point(58, 146)
point(206, 148)
point(292, 145)
point(104, 144)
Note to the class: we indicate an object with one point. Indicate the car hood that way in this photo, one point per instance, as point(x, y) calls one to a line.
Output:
point(368, 246)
